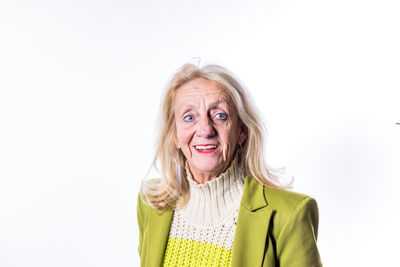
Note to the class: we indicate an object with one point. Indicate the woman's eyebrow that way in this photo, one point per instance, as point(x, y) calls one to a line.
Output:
point(218, 103)
point(187, 107)
point(211, 105)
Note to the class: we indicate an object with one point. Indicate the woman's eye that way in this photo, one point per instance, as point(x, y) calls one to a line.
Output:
point(221, 116)
point(188, 118)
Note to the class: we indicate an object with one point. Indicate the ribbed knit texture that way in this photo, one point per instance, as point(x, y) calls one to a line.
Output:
point(202, 233)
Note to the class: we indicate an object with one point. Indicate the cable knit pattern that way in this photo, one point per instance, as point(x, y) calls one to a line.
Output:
point(202, 233)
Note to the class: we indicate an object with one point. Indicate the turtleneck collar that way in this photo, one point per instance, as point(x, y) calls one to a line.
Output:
point(214, 201)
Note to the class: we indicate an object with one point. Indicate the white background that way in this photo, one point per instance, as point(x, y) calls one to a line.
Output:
point(80, 83)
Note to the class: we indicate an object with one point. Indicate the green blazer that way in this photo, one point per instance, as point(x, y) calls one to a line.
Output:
point(275, 227)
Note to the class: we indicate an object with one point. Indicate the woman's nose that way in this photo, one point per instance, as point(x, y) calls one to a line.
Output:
point(205, 128)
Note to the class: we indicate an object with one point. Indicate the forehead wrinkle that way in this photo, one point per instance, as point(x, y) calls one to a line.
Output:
point(195, 98)
point(194, 102)
point(212, 105)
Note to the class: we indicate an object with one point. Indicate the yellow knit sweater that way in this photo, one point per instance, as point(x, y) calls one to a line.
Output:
point(202, 233)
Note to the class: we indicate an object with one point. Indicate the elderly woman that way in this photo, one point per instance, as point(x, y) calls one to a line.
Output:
point(217, 203)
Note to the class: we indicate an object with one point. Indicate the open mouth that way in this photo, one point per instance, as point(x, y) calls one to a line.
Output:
point(206, 148)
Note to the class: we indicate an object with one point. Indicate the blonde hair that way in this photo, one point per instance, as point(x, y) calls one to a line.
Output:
point(172, 190)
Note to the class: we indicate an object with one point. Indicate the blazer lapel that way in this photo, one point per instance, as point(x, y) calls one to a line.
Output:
point(252, 226)
point(159, 223)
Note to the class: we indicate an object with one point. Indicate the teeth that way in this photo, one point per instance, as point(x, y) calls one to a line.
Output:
point(206, 147)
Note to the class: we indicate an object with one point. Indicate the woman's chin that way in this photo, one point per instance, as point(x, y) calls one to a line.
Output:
point(210, 169)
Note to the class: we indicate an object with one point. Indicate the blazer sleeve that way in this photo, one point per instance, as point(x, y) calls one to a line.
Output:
point(141, 220)
point(297, 241)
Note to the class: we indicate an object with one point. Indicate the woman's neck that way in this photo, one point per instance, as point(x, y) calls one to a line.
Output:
point(210, 203)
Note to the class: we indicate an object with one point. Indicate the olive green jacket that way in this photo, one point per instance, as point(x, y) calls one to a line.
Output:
point(275, 227)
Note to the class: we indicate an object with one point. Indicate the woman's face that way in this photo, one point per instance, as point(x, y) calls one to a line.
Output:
point(207, 128)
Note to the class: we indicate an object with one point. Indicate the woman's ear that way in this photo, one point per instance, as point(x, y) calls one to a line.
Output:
point(176, 142)
point(243, 134)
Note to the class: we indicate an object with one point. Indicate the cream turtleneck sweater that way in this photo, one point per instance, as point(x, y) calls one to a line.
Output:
point(202, 233)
